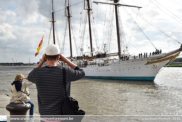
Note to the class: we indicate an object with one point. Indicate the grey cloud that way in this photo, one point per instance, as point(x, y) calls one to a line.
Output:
point(29, 35)
point(26, 8)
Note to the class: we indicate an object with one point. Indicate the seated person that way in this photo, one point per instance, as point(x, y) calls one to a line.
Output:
point(20, 92)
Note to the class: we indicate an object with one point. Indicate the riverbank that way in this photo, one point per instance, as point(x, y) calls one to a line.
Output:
point(174, 65)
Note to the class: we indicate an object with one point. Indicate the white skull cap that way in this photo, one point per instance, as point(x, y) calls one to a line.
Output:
point(52, 49)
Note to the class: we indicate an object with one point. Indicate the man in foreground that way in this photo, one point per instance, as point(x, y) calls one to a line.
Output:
point(49, 80)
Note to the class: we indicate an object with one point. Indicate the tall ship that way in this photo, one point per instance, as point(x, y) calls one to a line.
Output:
point(125, 66)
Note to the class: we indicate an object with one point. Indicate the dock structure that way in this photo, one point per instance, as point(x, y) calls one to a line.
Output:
point(4, 101)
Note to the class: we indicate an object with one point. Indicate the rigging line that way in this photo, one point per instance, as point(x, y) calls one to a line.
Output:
point(105, 30)
point(83, 29)
point(109, 40)
point(133, 27)
point(141, 29)
point(58, 39)
point(178, 19)
point(56, 33)
point(168, 10)
point(146, 5)
point(97, 14)
point(104, 24)
point(177, 2)
point(94, 31)
point(104, 14)
point(135, 47)
point(122, 34)
point(110, 26)
point(74, 39)
point(161, 30)
point(69, 6)
point(111, 29)
point(157, 28)
point(96, 35)
point(83, 35)
point(49, 35)
point(105, 17)
point(64, 36)
point(80, 29)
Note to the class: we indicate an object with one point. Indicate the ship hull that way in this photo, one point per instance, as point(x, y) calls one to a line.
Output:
point(134, 69)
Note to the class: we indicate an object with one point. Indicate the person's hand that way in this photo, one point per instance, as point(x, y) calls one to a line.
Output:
point(23, 78)
point(43, 59)
point(62, 58)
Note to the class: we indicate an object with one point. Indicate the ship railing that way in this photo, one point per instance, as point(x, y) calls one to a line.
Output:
point(101, 64)
point(82, 66)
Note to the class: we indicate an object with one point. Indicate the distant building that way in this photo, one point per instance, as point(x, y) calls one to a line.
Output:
point(18, 64)
point(11, 64)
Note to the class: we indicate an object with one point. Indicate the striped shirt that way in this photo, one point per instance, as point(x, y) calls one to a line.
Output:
point(50, 87)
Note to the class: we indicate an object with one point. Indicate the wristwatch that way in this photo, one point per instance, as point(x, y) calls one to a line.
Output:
point(41, 62)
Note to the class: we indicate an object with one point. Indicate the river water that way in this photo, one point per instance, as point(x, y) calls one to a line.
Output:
point(116, 97)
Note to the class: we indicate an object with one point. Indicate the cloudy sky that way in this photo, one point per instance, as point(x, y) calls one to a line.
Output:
point(24, 22)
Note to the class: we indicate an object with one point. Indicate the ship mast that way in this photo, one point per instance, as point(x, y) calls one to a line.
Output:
point(90, 28)
point(53, 22)
point(116, 4)
point(69, 24)
point(117, 30)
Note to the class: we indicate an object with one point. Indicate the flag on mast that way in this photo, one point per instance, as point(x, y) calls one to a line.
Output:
point(39, 47)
